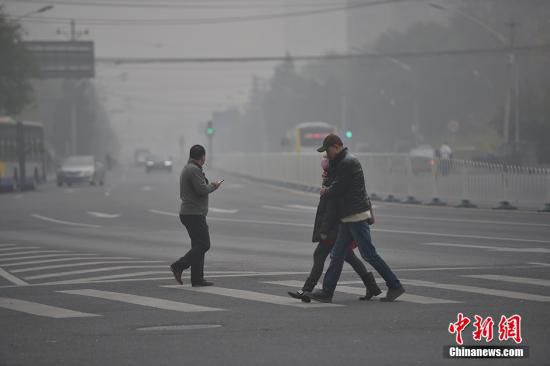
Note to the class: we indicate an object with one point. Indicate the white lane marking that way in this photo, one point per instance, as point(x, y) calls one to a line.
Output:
point(302, 207)
point(277, 208)
point(141, 300)
point(405, 232)
point(40, 256)
point(99, 278)
point(7, 245)
point(251, 296)
point(102, 215)
point(512, 279)
point(17, 197)
point(80, 256)
point(57, 266)
point(181, 327)
point(15, 280)
point(69, 190)
point(41, 309)
point(104, 269)
point(146, 188)
point(158, 212)
point(127, 276)
point(479, 290)
point(493, 249)
point(361, 292)
point(222, 211)
point(5, 255)
point(16, 248)
point(426, 218)
point(540, 264)
point(69, 223)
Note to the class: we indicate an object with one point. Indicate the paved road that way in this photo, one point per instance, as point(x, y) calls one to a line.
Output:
point(84, 280)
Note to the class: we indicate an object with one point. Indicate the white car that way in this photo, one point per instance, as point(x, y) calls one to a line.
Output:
point(81, 169)
point(422, 158)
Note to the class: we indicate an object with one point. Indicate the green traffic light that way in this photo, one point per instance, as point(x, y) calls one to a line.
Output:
point(210, 131)
point(349, 134)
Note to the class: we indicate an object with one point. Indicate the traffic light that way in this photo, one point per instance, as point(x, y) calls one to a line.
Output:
point(349, 134)
point(209, 129)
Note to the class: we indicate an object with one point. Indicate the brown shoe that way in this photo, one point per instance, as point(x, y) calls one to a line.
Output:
point(177, 275)
point(202, 283)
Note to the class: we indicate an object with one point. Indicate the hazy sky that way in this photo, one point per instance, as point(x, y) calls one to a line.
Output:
point(152, 105)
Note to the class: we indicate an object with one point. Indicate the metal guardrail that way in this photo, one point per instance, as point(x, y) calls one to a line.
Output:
point(408, 179)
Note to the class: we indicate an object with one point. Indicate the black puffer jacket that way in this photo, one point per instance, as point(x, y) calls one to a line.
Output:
point(347, 189)
point(326, 219)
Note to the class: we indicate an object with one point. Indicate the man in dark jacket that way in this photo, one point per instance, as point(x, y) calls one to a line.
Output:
point(325, 230)
point(353, 210)
point(194, 191)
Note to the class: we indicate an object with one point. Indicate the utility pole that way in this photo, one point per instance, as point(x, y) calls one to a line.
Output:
point(513, 97)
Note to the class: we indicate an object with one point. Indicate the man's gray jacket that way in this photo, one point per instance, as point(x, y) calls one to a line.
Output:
point(194, 190)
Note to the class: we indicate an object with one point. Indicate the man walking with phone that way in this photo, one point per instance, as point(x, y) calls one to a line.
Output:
point(194, 191)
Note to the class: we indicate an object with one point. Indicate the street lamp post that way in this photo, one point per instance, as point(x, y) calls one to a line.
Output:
point(513, 92)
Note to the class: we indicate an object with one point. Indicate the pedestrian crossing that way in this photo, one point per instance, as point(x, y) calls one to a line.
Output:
point(273, 295)
point(60, 267)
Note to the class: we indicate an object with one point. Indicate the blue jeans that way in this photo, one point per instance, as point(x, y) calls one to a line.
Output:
point(360, 232)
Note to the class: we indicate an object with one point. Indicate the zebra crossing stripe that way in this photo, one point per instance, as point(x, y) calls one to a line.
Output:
point(82, 264)
point(512, 279)
point(104, 269)
point(16, 248)
point(141, 300)
point(41, 256)
point(252, 296)
point(361, 292)
point(80, 256)
point(3, 255)
point(41, 309)
point(12, 278)
point(479, 290)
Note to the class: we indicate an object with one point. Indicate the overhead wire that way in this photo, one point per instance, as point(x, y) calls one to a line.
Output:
point(214, 20)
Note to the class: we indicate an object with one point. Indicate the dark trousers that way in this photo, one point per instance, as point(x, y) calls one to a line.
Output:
point(319, 257)
point(200, 243)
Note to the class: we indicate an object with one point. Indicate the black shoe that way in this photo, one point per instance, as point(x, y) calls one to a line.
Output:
point(393, 293)
point(177, 274)
point(371, 292)
point(318, 295)
point(202, 283)
point(372, 288)
point(299, 295)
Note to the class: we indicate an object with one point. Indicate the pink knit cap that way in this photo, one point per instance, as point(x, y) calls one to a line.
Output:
point(324, 163)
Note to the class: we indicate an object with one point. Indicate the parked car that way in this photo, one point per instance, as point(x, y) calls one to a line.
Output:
point(81, 169)
point(423, 158)
point(154, 162)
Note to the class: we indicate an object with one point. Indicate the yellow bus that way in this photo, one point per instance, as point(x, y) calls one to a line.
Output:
point(21, 143)
point(308, 136)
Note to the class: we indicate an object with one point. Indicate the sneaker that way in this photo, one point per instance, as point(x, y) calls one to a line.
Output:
point(177, 274)
point(202, 283)
point(299, 295)
point(392, 294)
point(318, 295)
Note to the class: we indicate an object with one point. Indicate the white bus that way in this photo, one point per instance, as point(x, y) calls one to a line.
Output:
point(18, 141)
